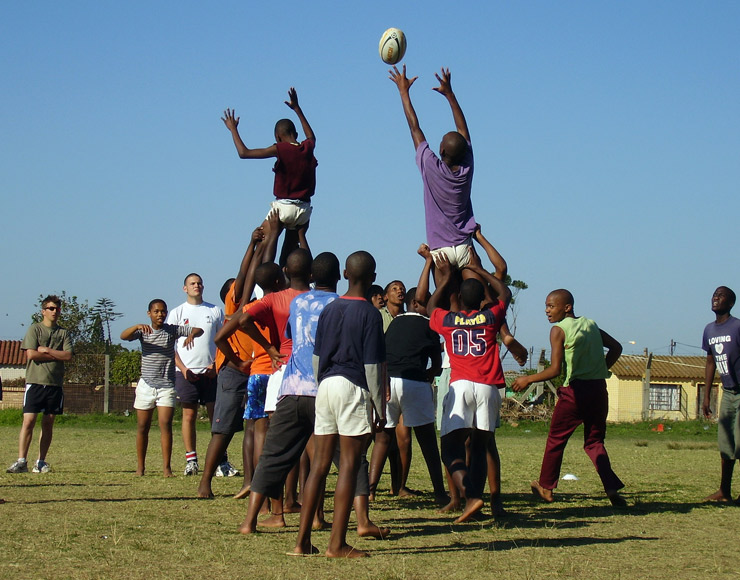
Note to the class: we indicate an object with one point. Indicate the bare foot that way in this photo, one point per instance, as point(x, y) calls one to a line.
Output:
point(292, 509)
point(139, 473)
point(371, 496)
point(311, 550)
point(406, 492)
point(373, 531)
point(245, 528)
point(274, 521)
point(167, 473)
point(544, 494)
point(442, 499)
point(243, 492)
point(205, 492)
point(497, 507)
point(453, 506)
point(472, 507)
point(320, 525)
point(346, 551)
point(718, 496)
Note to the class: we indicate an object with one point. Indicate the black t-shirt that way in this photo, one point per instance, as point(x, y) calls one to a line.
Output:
point(409, 344)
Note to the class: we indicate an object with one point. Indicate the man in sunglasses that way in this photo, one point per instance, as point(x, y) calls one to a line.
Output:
point(47, 347)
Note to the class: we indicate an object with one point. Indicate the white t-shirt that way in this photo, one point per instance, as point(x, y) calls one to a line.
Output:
point(207, 316)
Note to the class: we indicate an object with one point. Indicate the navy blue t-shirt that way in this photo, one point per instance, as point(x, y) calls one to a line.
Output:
point(722, 341)
point(349, 336)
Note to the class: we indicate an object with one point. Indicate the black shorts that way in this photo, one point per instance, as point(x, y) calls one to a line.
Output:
point(229, 408)
point(46, 399)
point(200, 391)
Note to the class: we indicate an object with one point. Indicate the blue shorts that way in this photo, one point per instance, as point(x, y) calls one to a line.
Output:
point(256, 392)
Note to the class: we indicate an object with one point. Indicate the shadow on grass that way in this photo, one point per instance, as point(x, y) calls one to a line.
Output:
point(506, 545)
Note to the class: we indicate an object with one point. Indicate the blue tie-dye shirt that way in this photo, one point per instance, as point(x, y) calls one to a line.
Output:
point(304, 318)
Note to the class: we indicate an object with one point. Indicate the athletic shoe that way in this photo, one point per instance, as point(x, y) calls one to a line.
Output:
point(41, 467)
point(18, 467)
point(192, 468)
point(226, 470)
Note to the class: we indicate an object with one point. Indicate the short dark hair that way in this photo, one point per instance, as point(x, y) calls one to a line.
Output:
point(374, 290)
point(156, 301)
point(410, 297)
point(267, 274)
point(565, 296)
point(185, 281)
point(225, 290)
point(455, 146)
point(285, 127)
point(325, 269)
point(53, 298)
point(391, 283)
point(298, 264)
point(360, 265)
point(731, 294)
point(472, 293)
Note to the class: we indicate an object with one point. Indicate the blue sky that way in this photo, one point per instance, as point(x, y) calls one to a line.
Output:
point(606, 136)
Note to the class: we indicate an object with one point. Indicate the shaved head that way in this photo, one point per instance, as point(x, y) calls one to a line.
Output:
point(360, 266)
point(454, 146)
point(299, 264)
point(563, 296)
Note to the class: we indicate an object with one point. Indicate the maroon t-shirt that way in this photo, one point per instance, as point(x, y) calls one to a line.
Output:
point(295, 170)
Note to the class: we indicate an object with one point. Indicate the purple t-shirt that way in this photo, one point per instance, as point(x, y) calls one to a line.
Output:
point(447, 205)
point(722, 341)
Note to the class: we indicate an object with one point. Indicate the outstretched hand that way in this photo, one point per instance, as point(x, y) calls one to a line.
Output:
point(292, 101)
point(402, 82)
point(445, 86)
point(444, 269)
point(230, 120)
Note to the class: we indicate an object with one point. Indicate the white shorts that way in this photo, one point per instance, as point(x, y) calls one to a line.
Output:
point(273, 389)
point(292, 213)
point(414, 399)
point(149, 397)
point(470, 405)
point(459, 256)
point(342, 407)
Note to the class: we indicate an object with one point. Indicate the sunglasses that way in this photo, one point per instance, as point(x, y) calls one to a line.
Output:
point(52, 308)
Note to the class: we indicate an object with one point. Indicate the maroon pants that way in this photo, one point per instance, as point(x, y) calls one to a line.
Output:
point(587, 402)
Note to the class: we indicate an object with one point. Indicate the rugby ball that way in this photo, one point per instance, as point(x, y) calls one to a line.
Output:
point(392, 46)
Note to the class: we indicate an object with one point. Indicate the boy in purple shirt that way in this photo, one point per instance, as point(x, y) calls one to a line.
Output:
point(447, 179)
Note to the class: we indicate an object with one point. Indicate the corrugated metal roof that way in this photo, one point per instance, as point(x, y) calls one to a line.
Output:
point(11, 353)
point(663, 367)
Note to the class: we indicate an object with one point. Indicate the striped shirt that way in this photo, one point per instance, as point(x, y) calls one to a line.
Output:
point(158, 354)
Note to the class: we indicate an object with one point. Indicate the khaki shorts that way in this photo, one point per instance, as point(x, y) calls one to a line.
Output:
point(412, 398)
point(459, 256)
point(469, 405)
point(292, 213)
point(342, 407)
point(149, 397)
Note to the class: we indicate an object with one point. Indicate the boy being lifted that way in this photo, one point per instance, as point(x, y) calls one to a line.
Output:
point(295, 173)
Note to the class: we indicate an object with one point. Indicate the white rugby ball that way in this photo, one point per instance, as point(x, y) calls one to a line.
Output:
point(392, 46)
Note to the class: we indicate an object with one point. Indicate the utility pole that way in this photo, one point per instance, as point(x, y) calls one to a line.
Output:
point(673, 346)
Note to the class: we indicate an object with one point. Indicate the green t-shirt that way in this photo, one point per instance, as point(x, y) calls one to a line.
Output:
point(56, 338)
point(584, 350)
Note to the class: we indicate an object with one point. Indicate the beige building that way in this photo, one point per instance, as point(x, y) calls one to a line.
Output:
point(657, 387)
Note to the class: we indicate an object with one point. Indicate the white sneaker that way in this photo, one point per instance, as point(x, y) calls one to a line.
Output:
point(226, 470)
point(18, 467)
point(192, 468)
point(41, 467)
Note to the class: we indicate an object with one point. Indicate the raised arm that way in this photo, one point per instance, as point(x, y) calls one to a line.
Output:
point(292, 102)
point(232, 123)
point(613, 346)
point(404, 84)
point(257, 235)
point(503, 291)
point(499, 264)
point(422, 288)
point(445, 88)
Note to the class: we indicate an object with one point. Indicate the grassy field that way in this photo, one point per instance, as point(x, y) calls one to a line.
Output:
point(92, 518)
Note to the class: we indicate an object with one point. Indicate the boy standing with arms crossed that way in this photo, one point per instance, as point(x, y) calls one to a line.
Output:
point(582, 398)
point(47, 348)
point(721, 340)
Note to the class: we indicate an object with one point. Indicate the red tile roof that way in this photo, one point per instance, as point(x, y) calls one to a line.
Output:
point(11, 353)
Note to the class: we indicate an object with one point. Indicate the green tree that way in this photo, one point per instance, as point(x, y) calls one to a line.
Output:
point(76, 317)
point(105, 309)
point(126, 367)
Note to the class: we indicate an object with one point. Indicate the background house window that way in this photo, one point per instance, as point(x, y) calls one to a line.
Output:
point(665, 397)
